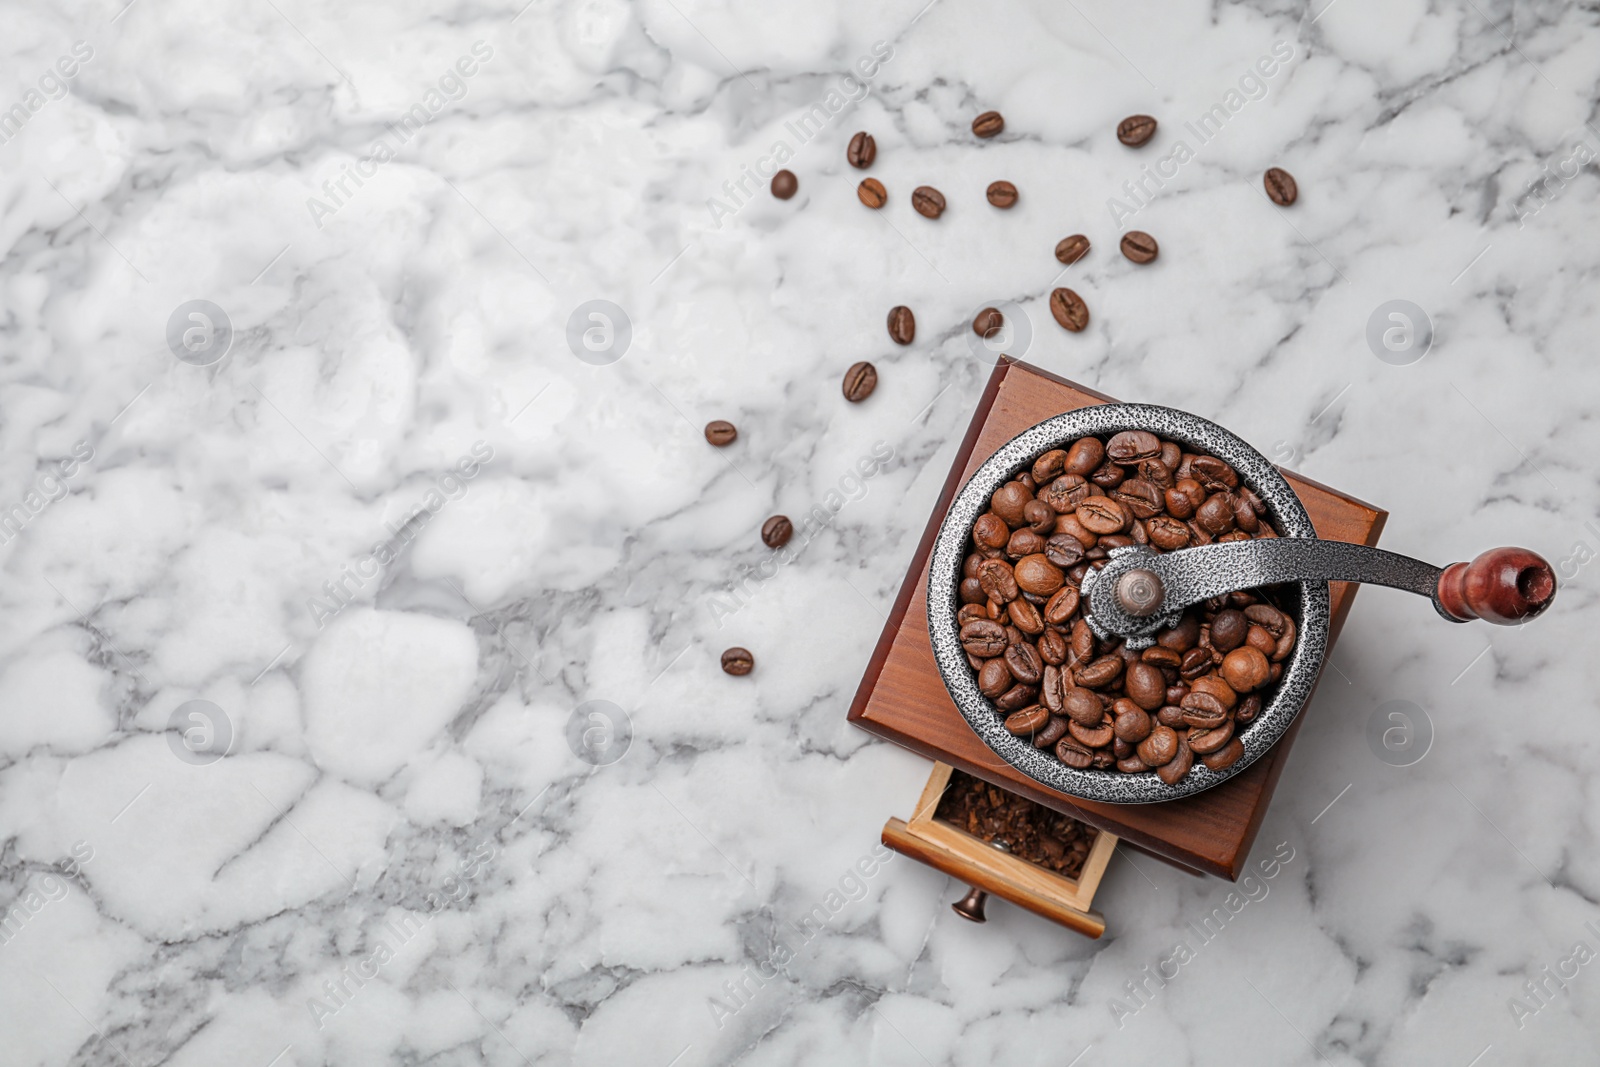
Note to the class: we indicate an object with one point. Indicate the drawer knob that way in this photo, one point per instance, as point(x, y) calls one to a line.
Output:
point(971, 906)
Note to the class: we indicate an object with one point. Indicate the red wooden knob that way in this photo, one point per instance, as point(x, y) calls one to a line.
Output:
point(1504, 586)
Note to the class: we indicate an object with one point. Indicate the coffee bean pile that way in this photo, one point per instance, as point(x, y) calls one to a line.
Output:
point(1030, 831)
point(1096, 703)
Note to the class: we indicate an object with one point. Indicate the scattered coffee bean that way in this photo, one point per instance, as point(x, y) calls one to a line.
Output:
point(784, 184)
point(872, 193)
point(859, 381)
point(776, 531)
point(1099, 704)
point(862, 151)
point(902, 325)
point(1069, 310)
point(1281, 186)
point(987, 322)
point(1071, 249)
point(738, 661)
point(1002, 194)
point(988, 124)
point(1139, 246)
point(928, 201)
point(721, 432)
point(1135, 130)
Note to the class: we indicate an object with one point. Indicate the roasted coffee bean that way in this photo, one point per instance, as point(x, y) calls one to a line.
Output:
point(1108, 475)
point(984, 638)
point(1053, 686)
point(1026, 617)
point(872, 193)
point(738, 661)
point(1071, 249)
point(1102, 515)
point(1041, 519)
point(1196, 662)
point(1180, 504)
point(1159, 747)
point(987, 322)
point(721, 433)
point(902, 325)
point(1206, 741)
point(970, 565)
point(862, 151)
point(1268, 617)
point(1172, 771)
point(1159, 656)
point(1018, 696)
point(1052, 646)
point(1157, 473)
point(1069, 310)
point(1009, 500)
point(972, 593)
point(1166, 533)
point(1203, 710)
point(1281, 186)
point(1085, 457)
point(1038, 575)
point(1225, 757)
point(998, 581)
point(1261, 640)
point(1082, 706)
point(1215, 516)
point(1145, 684)
point(1053, 731)
point(1081, 642)
point(1135, 130)
point(1061, 606)
point(988, 124)
point(1024, 542)
point(1247, 710)
point(859, 381)
point(1213, 685)
point(970, 610)
point(995, 678)
point(1100, 672)
point(1027, 480)
point(1065, 493)
point(1141, 498)
point(1214, 474)
point(1133, 722)
point(928, 201)
point(1063, 550)
point(784, 184)
point(990, 531)
point(1023, 723)
point(1048, 467)
point(1002, 194)
point(1244, 516)
point(1073, 754)
point(776, 531)
point(1133, 764)
point(1182, 637)
point(1131, 446)
point(1091, 736)
point(1140, 246)
point(1245, 669)
point(1024, 663)
point(1228, 630)
point(1171, 715)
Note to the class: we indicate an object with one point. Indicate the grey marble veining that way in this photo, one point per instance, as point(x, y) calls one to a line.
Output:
point(444, 568)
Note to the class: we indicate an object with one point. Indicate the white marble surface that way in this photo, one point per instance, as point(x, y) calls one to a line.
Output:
point(399, 798)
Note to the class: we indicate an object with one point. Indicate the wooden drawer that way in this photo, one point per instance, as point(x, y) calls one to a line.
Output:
point(962, 855)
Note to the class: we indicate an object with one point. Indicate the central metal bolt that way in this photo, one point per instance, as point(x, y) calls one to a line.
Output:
point(1139, 593)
